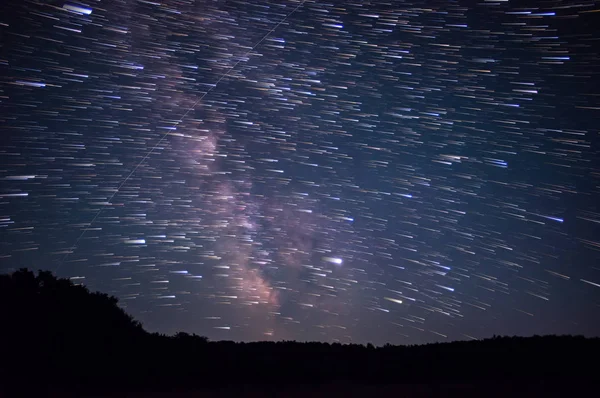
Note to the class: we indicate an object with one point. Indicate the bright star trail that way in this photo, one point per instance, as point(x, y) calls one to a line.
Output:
point(402, 171)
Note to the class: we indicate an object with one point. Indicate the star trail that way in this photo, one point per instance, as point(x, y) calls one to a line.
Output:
point(352, 171)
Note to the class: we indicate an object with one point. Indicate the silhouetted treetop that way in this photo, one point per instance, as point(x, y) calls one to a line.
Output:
point(44, 306)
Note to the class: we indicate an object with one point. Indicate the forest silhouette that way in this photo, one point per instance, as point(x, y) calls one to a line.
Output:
point(58, 336)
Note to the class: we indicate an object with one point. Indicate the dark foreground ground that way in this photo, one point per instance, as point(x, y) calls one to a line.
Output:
point(350, 390)
point(154, 366)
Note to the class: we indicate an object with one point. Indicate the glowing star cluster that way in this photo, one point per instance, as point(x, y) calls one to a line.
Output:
point(404, 171)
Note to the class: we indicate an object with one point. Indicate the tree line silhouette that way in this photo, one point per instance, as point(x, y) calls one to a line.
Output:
point(58, 335)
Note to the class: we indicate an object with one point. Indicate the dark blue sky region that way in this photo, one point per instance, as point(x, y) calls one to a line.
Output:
point(400, 171)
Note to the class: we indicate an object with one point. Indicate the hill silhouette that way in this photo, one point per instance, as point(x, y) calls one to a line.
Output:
point(58, 336)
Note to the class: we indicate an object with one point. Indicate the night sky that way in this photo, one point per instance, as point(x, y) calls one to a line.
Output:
point(353, 171)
